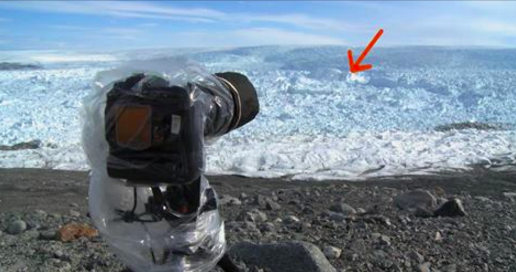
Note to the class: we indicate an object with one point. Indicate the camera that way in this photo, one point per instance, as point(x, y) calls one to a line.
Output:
point(156, 130)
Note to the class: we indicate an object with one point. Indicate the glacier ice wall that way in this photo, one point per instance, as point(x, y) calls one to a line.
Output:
point(317, 121)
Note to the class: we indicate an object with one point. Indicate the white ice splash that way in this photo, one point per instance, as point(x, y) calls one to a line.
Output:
point(359, 78)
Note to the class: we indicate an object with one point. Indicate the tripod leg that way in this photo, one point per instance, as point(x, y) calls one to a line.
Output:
point(227, 265)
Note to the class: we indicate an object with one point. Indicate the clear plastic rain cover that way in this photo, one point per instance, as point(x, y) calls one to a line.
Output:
point(144, 128)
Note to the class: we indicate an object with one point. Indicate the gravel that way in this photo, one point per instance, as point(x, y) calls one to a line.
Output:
point(303, 232)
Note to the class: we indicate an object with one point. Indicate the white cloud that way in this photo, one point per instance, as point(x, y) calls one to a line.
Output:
point(121, 31)
point(70, 27)
point(148, 25)
point(498, 27)
point(304, 21)
point(146, 10)
point(118, 9)
point(280, 36)
point(254, 36)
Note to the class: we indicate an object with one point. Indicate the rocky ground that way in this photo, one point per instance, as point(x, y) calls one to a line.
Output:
point(447, 222)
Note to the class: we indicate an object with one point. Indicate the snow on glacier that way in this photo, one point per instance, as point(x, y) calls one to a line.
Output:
point(317, 121)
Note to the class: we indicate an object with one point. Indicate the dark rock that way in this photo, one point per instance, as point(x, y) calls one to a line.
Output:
point(451, 208)
point(287, 256)
point(423, 213)
point(5, 66)
point(416, 257)
point(469, 125)
point(34, 144)
point(48, 235)
point(337, 217)
point(267, 227)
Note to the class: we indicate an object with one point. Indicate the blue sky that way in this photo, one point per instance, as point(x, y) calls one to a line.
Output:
point(104, 25)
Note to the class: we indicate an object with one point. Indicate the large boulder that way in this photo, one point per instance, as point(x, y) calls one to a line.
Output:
point(451, 208)
point(293, 256)
point(416, 199)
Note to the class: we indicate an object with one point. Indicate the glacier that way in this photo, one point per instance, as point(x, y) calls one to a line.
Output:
point(317, 120)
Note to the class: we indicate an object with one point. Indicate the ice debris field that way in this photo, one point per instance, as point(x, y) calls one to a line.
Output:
point(317, 121)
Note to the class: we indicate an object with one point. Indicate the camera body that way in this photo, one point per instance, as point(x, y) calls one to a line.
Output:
point(154, 131)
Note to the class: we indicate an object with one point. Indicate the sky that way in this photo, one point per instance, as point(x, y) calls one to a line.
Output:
point(119, 25)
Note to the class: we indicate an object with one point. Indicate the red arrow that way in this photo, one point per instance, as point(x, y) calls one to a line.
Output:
point(355, 67)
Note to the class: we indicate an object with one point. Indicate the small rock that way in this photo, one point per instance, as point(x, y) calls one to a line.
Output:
point(254, 216)
point(250, 226)
point(438, 236)
point(29, 235)
point(75, 213)
point(343, 208)
point(451, 208)
point(332, 252)
point(308, 210)
point(229, 200)
point(425, 267)
point(415, 256)
point(272, 205)
point(65, 267)
point(361, 225)
point(268, 227)
point(414, 199)
point(259, 200)
point(291, 219)
point(361, 211)
point(48, 235)
point(337, 217)
point(385, 240)
point(510, 195)
point(58, 254)
point(449, 268)
point(16, 227)
point(482, 198)
point(40, 213)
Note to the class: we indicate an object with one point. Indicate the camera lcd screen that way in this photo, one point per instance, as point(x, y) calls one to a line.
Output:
point(133, 126)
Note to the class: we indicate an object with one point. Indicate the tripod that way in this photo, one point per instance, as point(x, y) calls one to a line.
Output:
point(177, 204)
